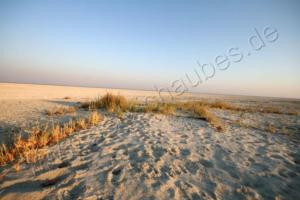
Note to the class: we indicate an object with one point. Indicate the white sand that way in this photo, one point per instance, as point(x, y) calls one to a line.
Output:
point(152, 156)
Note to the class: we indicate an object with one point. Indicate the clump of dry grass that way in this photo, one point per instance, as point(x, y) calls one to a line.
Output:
point(273, 110)
point(200, 109)
point(94, 118)
point(204, 113)
point(2, 176)
point(223, 105)
point(81, 124)
point(162, 108)
point(188, 106)
point(85, 105)
point(110, 102)
point(114, 103)
point(5, 154)
point(119, 104)
point(26, 149)
point(271, 128)
point(219, 104)
point(61, 110)
point(17, 167)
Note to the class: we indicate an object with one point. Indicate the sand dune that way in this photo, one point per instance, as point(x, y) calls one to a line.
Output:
point(153, 156)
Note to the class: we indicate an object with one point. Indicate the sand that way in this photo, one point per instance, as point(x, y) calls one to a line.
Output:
point(153, 156)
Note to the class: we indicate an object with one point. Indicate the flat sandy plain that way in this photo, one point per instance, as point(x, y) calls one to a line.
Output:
point(153, 156)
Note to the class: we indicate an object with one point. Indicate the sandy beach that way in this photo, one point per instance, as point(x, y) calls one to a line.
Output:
point(153, 156)
point(149, 100)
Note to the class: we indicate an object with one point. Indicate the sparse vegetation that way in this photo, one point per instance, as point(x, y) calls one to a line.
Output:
point(2, 176)
point(5, 155)
point(110, 102)
point(271, 128)
point(220, 104)
point(223, 105)
point(26, 149)
point(262, 126)
point(114, 103)
point(81, 123)
point(94, 118)
point(17, 167)
point(162, 108)
point(119, 104)
point(61, 110)
point(250, 109)
point(201, 111)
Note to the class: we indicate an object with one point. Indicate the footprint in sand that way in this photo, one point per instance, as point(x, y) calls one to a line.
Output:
point(116, 175)
point(158, 152)
point(206, 163)
point(156, 185)
point(185, 152)
point(192, 167)
point(170, 193)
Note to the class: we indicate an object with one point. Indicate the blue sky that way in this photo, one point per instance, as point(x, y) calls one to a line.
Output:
point(142, 44)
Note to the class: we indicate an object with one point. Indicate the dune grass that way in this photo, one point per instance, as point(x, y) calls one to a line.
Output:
point(162, 108)
point(201, 109)
point(203, 112)
point(110, 102)
point(258, 108)
point(119, 104)
point(221, 104)
point(60, 110)
point(271, 128)
point(26, 149)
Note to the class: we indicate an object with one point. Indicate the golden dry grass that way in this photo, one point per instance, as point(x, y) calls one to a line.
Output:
point(5, 154)
point(257, 108)
point(262, 126)
point(271, 128)
point(203, 112)
point(119, 104)
point(200, 109)
point(110, 102)
point(61, 110)
point(2, 176)
point(26, 149)
point(162, 108)
point(221, 104)
point(114, 103)
point(17, 167)
point(94, 118)
point(81, 124)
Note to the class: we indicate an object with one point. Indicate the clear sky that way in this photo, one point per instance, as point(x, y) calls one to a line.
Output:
point(142, 44)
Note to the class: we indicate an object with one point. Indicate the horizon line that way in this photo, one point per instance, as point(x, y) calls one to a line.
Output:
point(114, 88)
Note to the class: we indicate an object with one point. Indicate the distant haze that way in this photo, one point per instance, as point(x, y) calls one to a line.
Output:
point(153, 44)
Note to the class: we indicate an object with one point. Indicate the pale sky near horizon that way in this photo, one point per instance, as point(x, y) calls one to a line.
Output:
point(143, 44)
